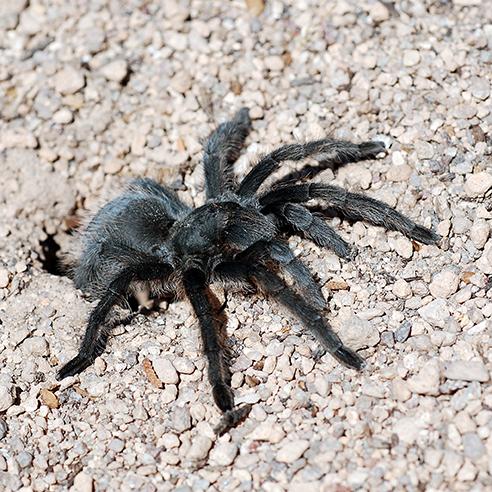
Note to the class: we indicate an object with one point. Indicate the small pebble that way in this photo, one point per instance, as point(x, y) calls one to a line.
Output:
point(24, 459)
point(117, 445)
point(116, 70)
point(63, 116)
point(83, 482)
point(267, 431)
point(35, 346)
point(200, 448)
point(223, 454)
point(402, 289)
point(165, 370)
point(426, 382)
point(292, 451)
point(379, 12)
point(473, 446)
point(6, 398)
point(436, 313)
point(69, 80)
point(4, 278)
point(466, 370)
point(184, 365)
point(478, 184)
point(444, 284)
point(479, 233)
point(355, 332)
point(411, 58)
point(404, 247)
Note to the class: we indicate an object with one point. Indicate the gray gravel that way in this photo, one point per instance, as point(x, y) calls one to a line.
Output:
point(94, 93)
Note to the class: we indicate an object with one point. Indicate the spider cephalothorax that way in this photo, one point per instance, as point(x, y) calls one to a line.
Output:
point(238, 236)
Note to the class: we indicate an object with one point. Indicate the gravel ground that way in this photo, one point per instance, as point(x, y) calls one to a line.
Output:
point(94, 93)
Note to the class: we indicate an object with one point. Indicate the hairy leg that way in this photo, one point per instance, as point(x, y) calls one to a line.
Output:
point(282, 255)
point(218, 370)
point(174, 206)
point(353, 206)
point(327, 150)
point(313, 228)
point(221, 151)
point(311, 317)
point(96, 335)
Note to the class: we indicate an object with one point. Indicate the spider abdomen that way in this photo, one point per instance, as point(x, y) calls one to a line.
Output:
point(124, 229)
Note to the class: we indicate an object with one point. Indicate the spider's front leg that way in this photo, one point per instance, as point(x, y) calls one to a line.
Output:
point(353, 206)
point(218, 371)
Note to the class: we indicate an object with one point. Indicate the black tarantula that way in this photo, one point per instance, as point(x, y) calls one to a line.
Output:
point(147, 235)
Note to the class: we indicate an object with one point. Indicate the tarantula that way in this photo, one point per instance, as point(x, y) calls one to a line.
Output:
point(148, 235)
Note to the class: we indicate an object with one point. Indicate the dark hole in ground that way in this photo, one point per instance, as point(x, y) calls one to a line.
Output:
point(51, 263)
point(49, 256)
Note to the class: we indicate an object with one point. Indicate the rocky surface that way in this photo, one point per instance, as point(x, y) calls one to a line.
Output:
point(94, 93)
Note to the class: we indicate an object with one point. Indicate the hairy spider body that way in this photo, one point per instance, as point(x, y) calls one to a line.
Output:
point(149, 235)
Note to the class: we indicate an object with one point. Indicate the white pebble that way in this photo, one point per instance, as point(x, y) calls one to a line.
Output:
point(69, 81)
point(479, 233)
point(402, 289)
point(480, 88)
point(184, 365)
point(436, 313)
point(466, 370)
point(83, 482)
point(267, 431)
point(397, 158)
point(292, 451)
point(404, 247)
point(223, 453)
point(411, 58)
point(116, 70)
point(354, 331)
point(18, 138)
point(6, 398)
point(426, 382)
point(484, 263)
point(408, 428)
point(199, 448)
point(478, 184)
point(165, 370)
point(379, 12)
point(444, 284)
point(4, 278)
point(399, 173)
point(63, 116)
point(35, 346)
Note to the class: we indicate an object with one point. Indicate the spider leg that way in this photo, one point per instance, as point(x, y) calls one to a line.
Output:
point(283, 256)
point(314, 228)
point(96, 335)
point(311, 317)
point(169, 199)
point(326, 150)
point(351, 205)
point(221, 150)
point(218, 370)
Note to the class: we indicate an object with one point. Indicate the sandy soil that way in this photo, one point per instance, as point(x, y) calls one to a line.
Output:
point(95, 93)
